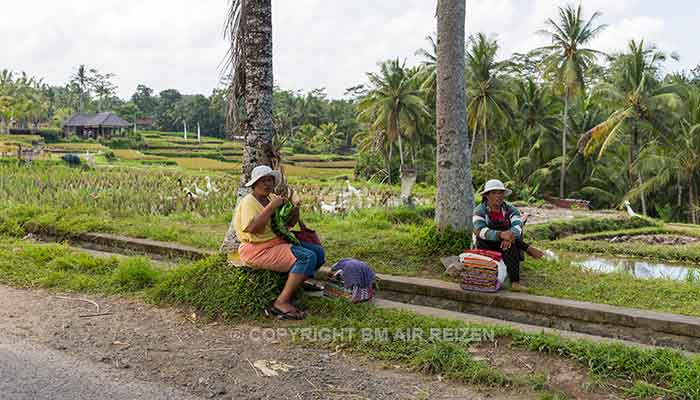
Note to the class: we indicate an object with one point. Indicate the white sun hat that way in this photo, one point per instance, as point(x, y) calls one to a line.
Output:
point(495, 184)
point(261, 171)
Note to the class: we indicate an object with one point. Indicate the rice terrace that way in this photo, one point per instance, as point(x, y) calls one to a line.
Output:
point(441, 199)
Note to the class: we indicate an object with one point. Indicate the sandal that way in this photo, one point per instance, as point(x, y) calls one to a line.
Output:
point(310, 286)
point(289, 315)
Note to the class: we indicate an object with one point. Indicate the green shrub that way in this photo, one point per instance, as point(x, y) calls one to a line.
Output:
point(109, 156)
point(218, 289)
point(129, 142)
point(557, 229)
point(81, 262)
point(134, 274)
point(429, 241)
point(407, 215)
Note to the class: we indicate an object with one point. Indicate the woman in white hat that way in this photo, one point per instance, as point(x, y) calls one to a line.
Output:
point(498, 226)
point(262, 248)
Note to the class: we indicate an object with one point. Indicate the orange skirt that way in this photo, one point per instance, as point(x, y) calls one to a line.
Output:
point(273, 255)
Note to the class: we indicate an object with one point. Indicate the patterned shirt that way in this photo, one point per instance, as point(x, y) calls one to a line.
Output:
point(483, 217)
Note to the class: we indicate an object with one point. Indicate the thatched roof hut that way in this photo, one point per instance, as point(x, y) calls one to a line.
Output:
point(103, 124)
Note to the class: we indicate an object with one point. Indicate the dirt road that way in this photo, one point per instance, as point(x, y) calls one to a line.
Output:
point(47, 351)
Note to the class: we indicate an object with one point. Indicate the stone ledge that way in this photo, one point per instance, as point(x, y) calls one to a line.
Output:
point(163, 249)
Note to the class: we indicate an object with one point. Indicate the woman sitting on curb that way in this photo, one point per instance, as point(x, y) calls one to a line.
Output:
point(262, 248)
point(499, 227)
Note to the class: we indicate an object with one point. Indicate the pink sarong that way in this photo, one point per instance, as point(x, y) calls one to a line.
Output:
point(273, 255)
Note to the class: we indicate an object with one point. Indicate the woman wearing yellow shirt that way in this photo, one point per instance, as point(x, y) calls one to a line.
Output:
point(262, 248)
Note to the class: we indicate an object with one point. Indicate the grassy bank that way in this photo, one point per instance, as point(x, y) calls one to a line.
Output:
point(234, 294)
point(687, 253)
point(412, 249)
point(561, 228)
point(563, 280)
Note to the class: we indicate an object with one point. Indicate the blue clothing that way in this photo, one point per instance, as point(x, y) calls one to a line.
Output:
point(481, 222)
point(310, 257)
point(355, 273)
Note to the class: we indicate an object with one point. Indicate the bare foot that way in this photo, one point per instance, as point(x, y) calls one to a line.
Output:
point(286, 307)
point(517, 287)
point(535, 252)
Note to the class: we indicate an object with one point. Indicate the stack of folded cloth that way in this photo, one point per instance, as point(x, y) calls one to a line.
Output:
point(480, 270)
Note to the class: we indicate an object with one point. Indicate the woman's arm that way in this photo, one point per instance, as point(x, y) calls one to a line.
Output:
point(260, 220)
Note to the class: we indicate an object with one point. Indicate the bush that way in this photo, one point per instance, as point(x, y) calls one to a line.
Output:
point(134, 274)
point(109, 156)
point(429, 241)
point(558, 229)
point(407, 215)
point(125, 143)
point(220, 290)
point(71, 159)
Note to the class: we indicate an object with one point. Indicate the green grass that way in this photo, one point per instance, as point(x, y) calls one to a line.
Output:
point(560, 228)
point(666, 229)
point(57, 266)
point(218, 289)
point(676, 374)
point(233, 294)
point(687, 253)
point(564, 280)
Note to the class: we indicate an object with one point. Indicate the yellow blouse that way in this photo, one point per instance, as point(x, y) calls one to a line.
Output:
point(247, 209)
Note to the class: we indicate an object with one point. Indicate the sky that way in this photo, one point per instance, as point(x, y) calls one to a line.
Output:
point(317, 43)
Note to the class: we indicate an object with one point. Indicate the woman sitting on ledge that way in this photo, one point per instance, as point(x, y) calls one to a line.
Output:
point(262, 248)
point(499, 227)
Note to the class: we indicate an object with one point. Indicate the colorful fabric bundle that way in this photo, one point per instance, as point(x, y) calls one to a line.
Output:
point(480, 271)
point(488, 253)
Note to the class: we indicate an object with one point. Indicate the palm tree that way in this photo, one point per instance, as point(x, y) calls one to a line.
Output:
point(393, 99)
point(642, 107)
point(678, 160)
point(249, 29)
point(454, 197)
point(489, 101)
point(82, 81)
point(428, 70)
point(567, 60)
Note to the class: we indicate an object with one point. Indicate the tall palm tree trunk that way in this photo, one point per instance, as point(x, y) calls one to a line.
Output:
point(562, 176)
point(454, 198)
point(633, 157)
point(486, 146)
point(257, 93)
point(691, 201)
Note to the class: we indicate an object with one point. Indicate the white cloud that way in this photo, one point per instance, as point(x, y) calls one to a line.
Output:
point(333, 43)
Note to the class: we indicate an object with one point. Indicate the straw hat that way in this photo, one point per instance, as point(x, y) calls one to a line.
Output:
point(262, 171)
point(495, 184)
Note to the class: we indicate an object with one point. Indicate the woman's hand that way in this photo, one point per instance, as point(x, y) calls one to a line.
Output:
point(277, 202)
point(506, 244)
point(507, 236)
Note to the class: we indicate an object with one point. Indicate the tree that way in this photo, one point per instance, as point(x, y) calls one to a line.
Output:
point(489, 101)
point(392, 99)
point(104, 90)
point(82, 81)
point(567, 60)
point(428, 71)
point(145, 102)
point(166, 116)
point(642, 107)
point(249, 28)
point(455, 198)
